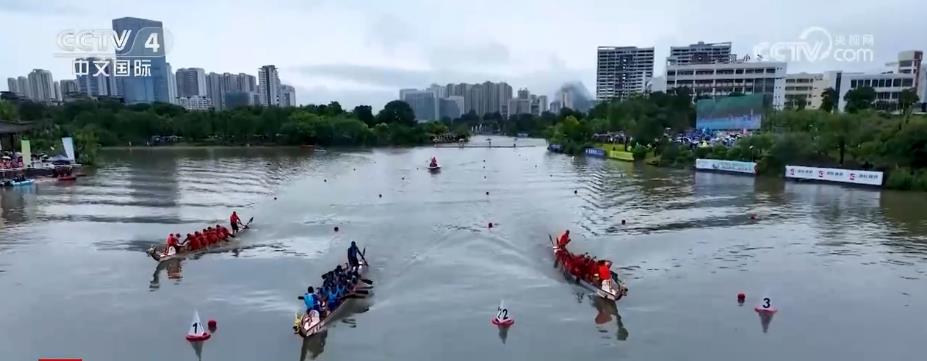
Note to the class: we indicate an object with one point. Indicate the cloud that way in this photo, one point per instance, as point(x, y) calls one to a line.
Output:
point(37, 7)
point(459, 55)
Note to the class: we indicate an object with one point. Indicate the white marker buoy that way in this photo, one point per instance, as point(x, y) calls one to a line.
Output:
point(503, 318)
point(197, 331)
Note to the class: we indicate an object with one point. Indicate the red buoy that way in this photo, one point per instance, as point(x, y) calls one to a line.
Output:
point(490, 224)
point(212, 325)
point(741, 297)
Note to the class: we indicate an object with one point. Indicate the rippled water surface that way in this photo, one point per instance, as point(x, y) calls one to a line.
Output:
point(844, 266)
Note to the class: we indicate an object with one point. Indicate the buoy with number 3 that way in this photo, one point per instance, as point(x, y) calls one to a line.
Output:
point(765, 307)
point(502, 318)
point(197, 332)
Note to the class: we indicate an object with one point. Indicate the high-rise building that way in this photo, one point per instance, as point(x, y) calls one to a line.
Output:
point(42, 86)
point(139, 86)
point(542, 103)
point(424, 104)
point(240, 99)
point(269, 85)
point(96, 83)
point(12, 85)
point(438, 90)
point(451, 107)
point(68, 87)
point(247, 83)
point(57, 87)
point(287, 96)
point(171, 84)
point(555, 107)
point(474, 99)
point(191, 82)
point(721, 79)
point(25, 90)
point(622, 71)
point(215, 90)
point(700, 53)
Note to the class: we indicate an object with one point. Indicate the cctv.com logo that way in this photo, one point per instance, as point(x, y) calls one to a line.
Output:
point(817, 44)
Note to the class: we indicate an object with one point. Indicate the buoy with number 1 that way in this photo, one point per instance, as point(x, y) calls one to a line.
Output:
point(503, 318)
point(197, 331)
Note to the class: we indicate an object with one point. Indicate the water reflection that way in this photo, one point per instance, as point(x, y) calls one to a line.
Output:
point(606, 310)
point(174, 271)
point(313, 346)
point(765, 319)
point(197, 349)
point(503, 333)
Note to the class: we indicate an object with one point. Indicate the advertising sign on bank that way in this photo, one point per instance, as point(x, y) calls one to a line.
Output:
point(595, 152)
point(834, 175)
point(726, 166)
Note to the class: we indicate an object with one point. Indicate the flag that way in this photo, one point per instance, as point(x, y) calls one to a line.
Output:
point(27, 153)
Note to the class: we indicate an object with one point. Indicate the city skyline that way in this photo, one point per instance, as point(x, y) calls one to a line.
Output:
point(392, 46)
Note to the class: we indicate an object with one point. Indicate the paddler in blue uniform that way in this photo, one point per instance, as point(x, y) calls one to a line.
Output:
point(353, 252)
point(310, 299)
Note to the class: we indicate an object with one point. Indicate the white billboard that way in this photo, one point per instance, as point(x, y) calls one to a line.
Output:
point(834, 175)
point(726, 166)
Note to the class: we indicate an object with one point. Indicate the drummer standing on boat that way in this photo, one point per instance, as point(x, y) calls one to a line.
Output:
point(235, 221)
point(353, 252)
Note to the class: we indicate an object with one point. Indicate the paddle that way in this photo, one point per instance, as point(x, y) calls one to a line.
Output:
point(362, 253)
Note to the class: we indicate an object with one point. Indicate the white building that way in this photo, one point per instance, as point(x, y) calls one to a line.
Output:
point(906, 73)
point(12, 85)
point(287, 96)
point(805, 87)
point(721, 79)
point(887, 86)
point(42, 86)
point(700, 53)
point(269, 85)
point(196, 103)
point(622, 71)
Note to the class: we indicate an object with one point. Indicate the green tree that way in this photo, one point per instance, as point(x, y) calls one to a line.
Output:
point(364, 113)
point(859, 99)
point(7, 111)
point(396, 112)
point(906, 101)
point(829, 100)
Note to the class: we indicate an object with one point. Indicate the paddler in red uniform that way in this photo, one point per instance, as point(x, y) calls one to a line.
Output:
point(191, 242)
point(200, 239)
point(171, 242)
point(604, 271)
point(434, 162)
point(563, 240)
point(210, 235)
point(234, 221)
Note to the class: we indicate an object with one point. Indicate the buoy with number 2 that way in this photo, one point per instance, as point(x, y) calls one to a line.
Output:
point(197, 332)
point(502, 319)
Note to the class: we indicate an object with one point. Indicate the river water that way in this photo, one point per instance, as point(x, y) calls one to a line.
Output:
point(846, 267)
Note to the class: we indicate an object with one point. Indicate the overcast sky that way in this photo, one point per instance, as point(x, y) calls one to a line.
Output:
point(362, 52)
